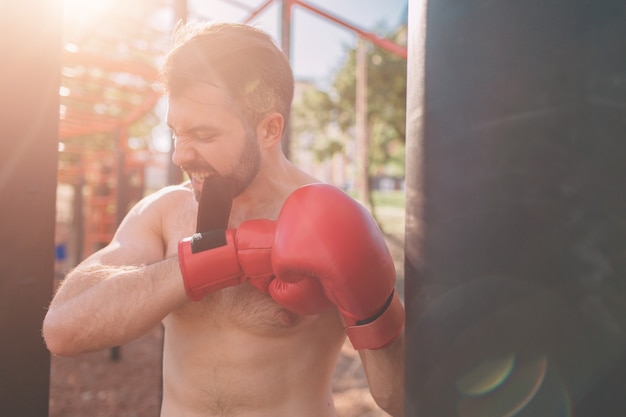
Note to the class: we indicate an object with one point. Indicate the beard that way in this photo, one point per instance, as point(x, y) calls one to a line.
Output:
point(242, 172)
point(247, 167)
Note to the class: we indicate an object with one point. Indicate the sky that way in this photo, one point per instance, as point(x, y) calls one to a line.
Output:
point(317, 45)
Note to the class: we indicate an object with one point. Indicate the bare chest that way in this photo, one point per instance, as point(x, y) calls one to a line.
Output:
point(242, 306)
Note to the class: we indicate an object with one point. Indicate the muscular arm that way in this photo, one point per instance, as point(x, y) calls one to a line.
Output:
point(384, 369)
point(118, 293)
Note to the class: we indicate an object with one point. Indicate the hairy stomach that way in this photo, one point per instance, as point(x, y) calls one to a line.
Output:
point(237, 353)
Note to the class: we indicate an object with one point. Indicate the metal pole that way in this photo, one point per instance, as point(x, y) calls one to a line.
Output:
point(30, 80)
point(383, 43)
point(362, 128)
point(285, 41)
point(174, 173)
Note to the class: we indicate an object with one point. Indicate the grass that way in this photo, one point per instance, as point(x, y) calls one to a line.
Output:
point(389, 199)
point(389, 211)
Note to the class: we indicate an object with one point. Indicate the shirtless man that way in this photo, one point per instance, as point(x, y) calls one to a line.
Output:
point(309, 266)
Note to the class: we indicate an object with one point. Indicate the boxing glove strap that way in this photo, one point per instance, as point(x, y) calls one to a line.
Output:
point(210, 269)
point(208, 240)
point(380, 331)
point(380, 313)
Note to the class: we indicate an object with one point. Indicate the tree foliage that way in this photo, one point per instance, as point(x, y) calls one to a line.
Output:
point(386, 104)
point(313, 118)
point(325, 119)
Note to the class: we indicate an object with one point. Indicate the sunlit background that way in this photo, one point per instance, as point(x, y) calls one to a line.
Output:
point(111, 113)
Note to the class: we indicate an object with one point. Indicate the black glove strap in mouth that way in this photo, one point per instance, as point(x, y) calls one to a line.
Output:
point(215, 203)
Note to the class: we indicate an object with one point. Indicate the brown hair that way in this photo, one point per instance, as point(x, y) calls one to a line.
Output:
point(243, 59)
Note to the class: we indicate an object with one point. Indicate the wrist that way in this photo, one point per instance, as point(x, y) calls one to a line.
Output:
point(208, 262)
point(381, 329)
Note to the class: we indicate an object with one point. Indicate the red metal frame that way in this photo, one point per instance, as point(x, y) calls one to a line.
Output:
point(258, 11)
point(75, 123)
point(372, 37)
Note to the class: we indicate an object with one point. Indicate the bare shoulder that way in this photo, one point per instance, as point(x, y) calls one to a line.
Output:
point(156, 212)
point(163, 200)
point(299, 178)
point(142, 236)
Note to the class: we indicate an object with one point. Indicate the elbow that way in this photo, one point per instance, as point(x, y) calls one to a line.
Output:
point(392, 405)
point(391, 398)
point(56, 336)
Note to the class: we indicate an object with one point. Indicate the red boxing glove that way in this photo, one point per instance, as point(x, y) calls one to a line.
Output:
point(323, 235)
point(216, 258)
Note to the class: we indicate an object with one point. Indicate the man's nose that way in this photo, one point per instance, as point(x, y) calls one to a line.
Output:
point(184, 152)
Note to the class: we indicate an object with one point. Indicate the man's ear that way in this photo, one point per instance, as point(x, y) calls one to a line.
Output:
point(270, 130)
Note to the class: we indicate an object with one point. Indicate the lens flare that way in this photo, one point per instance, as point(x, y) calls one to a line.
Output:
point(501, 387)
point(486, 376)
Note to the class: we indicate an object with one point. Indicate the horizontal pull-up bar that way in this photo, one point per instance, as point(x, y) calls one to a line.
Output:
point(381, 42)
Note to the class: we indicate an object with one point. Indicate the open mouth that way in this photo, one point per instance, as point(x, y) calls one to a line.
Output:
point(197, 180)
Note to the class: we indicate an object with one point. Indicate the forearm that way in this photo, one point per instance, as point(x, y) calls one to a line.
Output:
point(102, 306)
point(384, 369)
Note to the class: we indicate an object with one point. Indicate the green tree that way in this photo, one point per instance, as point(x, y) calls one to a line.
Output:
point(386, 102)
point(323, 121)
point(312, 118)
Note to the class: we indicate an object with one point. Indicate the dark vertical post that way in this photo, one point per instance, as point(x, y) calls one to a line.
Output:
point(414, 226)
point(78, 220)
point(122, 199)
point(122, 191)
point(29, 85)
point(285, 42)
point(414, 221)
point(516, 275)
point(362, 125)
point(174, 173)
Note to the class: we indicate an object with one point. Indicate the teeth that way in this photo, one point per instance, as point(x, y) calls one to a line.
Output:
point(201, 177)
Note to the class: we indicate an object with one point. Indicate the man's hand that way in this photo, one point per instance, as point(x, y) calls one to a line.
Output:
point(216, 257)
point(324, 238)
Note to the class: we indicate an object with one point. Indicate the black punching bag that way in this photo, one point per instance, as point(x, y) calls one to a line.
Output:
point(30, 75)
point(516, 208)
